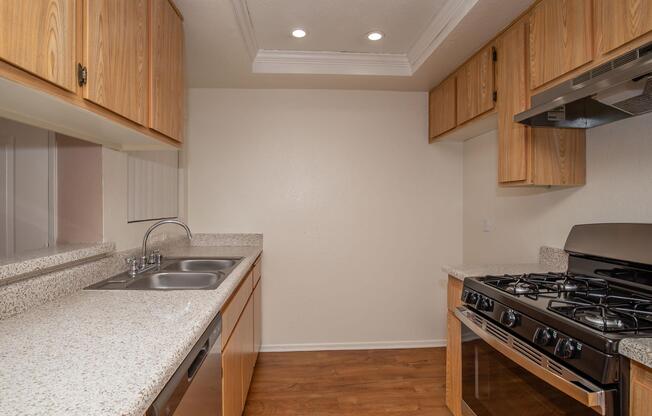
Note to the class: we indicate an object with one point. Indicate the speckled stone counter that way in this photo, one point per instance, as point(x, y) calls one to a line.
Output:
point(550, 260)
point(637, 349)
point(39, 261)
point(106, 352)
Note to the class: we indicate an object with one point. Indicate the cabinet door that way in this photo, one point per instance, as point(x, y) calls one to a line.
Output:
point(167, 77)
point(512, 99)
point(39, 37)
point(258, 320)
point(246, 326)
point(232, 394)
point(475, 86)
point(640, 393)
point(454, 365)
point(560, 39)
point(115, 54)
point(442, 108)
point(618, 22)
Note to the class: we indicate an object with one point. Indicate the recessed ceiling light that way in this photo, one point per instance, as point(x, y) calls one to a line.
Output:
point(375, 35)
point(299, 33)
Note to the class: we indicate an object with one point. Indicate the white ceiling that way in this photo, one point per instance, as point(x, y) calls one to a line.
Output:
point(227, 41)
point(341, 25)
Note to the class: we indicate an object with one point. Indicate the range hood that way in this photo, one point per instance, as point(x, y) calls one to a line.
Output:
point(618, 89)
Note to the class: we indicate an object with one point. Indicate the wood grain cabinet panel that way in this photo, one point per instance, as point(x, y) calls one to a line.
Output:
point(560, 39)
point(618, 22)
point(39, 36)
point(640, 393)
point(258, 320)
point(475, 86)
point(454, 365)
point(442, 108)
point(167, 98)
point(115, 54)
point(246, 327)
point(455, 286)
point(511, 73)
point(232, 387)
point(233, 309)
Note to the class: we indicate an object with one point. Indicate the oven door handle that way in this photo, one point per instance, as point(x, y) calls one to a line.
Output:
point(534, 361)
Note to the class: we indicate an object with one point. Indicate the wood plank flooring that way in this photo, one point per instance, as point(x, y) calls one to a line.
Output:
point(346, 383)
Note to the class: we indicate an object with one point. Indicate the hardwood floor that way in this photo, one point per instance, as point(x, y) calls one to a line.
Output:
point(371, 382)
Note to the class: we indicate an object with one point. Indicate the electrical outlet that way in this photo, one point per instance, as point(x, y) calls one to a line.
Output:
point(487, 225)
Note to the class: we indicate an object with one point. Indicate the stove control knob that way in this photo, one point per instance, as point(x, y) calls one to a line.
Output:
point(509, 318)
point(485, 304)
point(567, 348)
point(470, 297)
point(544, 336)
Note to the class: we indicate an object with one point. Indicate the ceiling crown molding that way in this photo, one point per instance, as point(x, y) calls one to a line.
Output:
point(439, 28)
point(350, 63)
point(246, 27)
point(330, 63)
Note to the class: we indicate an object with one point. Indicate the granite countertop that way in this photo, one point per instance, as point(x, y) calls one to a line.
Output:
point(39, 261)
point(550, 260)
point(463, 271)
point(637, 349)
point(107, 352)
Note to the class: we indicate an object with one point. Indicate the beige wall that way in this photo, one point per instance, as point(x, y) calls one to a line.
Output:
point(619, 188)
point(358, 212)
point(79, 190)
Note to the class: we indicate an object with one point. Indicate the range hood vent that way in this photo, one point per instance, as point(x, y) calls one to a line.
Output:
point(615, 90)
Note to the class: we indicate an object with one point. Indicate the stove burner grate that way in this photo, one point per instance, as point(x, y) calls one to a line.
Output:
point(617, 317)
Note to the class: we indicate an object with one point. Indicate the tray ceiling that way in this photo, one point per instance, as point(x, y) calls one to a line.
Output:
point(247, 43)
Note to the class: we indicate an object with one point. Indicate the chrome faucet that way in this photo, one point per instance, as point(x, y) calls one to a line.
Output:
point(154, 259)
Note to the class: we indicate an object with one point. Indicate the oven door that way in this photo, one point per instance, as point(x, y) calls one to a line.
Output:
point(504, 376)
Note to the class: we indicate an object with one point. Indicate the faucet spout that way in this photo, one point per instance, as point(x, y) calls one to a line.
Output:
point(158, 224)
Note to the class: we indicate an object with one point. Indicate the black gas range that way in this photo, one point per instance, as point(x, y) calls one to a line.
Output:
point(565, 327)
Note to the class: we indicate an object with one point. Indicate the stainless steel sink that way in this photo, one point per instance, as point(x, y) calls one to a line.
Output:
point(190, 273)
point(176, 281)
point(201, 265)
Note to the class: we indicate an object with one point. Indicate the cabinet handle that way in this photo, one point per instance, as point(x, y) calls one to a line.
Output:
point(82, 75)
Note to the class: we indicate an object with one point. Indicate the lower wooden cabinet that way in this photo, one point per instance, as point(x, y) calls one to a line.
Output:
point(258, 320)
point(454, 349)
point(640, 393)
point(241, 323)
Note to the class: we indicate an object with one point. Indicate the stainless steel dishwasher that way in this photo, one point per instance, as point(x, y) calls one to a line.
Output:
point(195, 389)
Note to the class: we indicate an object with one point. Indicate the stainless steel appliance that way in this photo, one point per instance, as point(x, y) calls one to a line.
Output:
point(547, 344)
point(615, 90)
point(195, 389)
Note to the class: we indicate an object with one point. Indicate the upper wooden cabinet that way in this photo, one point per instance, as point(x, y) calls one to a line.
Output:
point(560, 38)
point(475, 86)
point(511, 75)
point(442, 108)
point(526, 156)
point(115, 55)
point(619, 22)
point(167, 99)
point(39, 37)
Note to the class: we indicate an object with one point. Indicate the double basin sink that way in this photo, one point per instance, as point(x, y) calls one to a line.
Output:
point(174, 274)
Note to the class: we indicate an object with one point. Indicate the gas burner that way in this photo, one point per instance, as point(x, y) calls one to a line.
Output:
point(602, 322)
point(604, 317)
point(520, 288)
point(568, 285)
